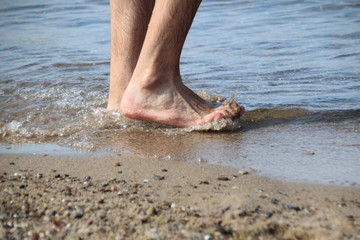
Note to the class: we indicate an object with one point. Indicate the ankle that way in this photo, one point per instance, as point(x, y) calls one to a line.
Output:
point(156, 77)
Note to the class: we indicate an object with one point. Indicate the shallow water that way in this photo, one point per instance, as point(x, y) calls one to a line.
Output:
point(293, 64)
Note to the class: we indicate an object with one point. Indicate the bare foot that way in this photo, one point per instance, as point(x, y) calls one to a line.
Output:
point(173, 104)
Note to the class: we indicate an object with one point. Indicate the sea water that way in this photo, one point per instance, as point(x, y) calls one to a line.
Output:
point(294, 65)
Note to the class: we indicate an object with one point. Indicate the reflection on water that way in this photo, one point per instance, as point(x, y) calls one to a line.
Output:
point(294, 65)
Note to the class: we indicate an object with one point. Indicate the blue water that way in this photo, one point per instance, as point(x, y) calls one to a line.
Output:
point(295, 66)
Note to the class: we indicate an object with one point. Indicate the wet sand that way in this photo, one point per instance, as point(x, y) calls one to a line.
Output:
point(113, 196)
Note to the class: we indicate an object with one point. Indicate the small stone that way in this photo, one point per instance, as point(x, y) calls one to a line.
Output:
point(146, 180)
point(79, 212)
point(274, 200)
point(151, 211)
point(243, 172)
point(34, 236)
point(117, 164)
point(292, 207)
point(202, 160)
point(267, 214)
point(204, 182)
point(57, 176)
point(222, 178)
point(101, 214)
point(3, 216)
point(174, 205)
point(208, 237)
point(22, 186)
point(84, 230)
point(39, 175)
point(157, 177)
point(281, 193)
point(59, 224)
point(164, 170)
point(12, 163)
point(90, 221)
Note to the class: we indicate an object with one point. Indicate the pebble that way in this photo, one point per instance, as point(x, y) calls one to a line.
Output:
point(39, 175)
point(202, 160)
point(243, 172)
point(3, 216)
point(34, 236)
point(117, 164)
point(274, 200)
point(101, 214)
point(12, 163)
point(84, 230)
point(222, 178)
point(267, 214)
point(146, 180)
point(208, 237)
point(79, 212)
point(204, 182)
point(292, 207)
point(151, 211)
point(157, 177)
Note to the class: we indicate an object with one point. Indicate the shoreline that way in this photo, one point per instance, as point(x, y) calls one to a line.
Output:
point(114, 196)
point(54, 149)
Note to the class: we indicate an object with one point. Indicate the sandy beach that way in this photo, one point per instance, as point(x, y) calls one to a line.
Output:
point(114, 196)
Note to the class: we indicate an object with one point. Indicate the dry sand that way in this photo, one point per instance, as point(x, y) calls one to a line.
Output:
point(110, 196)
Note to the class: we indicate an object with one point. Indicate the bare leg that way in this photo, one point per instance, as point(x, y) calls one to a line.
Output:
point(129, 21)
point(156, 91)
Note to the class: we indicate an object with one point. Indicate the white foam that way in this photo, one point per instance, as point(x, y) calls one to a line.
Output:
point(220, 125)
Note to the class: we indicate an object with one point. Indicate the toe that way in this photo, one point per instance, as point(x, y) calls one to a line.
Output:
point(235, 110)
